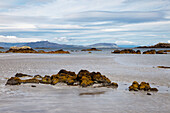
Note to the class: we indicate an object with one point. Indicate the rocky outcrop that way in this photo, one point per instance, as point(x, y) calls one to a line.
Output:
point(27, 49)
point(127, 51)
point(84, 79)
point(91, 49)
point(150, 52)
point(156, 52)
point(24, 49)
point(142, 86)
point(54, 52)
point(159, 45)
point(1, 48)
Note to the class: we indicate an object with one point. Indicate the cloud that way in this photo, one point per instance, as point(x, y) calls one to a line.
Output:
point(124, 42)
point(121, 16)
point(168, 41)
point(61, 39)
point(14, 39)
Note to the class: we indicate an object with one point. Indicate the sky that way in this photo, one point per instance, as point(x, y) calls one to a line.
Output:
point(84, 22)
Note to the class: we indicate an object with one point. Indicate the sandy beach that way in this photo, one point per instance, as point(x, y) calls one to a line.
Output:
point(123, 69)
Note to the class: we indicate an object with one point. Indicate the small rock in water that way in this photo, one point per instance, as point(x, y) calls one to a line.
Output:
point(33, 86)
point(148, 93)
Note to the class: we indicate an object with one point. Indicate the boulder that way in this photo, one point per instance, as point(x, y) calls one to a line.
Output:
point(13, 81)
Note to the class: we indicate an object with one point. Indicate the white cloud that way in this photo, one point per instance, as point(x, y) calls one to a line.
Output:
point(124, 42)
point(61, 39)
point(168, 41)
point(14, 39)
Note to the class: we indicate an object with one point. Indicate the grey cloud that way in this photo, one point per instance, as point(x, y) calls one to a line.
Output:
point(124, 17)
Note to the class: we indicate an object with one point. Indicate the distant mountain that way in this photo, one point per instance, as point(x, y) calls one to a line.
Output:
point(159, 45)
point(8, 45)
point(39, 44)
point(103, 45)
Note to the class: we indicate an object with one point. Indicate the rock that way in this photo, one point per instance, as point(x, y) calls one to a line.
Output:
point(1, 48)
point(46, 80)
point(32, 80)
point(13, 81)
point(22, 75)
point(84, 78)
point(33, 86)
point(91, 49)
point(142, 86)
point(161, 52)
point(24, 49)
point(153, 89)
point(165, 67)
point(127, 51)
point(149, 52)
point(148, 93)
point(54, 81)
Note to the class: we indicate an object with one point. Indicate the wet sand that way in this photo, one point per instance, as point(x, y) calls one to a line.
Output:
point(123, 69)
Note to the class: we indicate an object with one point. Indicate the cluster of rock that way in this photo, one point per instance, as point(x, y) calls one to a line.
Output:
point(142, 86)
point(156, 52)
point(131, 51)
point(24, 49)
point(84, 78)
point(27, 49)
point(91, 49)
point(127, 51)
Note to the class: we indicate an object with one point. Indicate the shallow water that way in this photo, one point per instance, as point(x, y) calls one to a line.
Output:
point(123, 69)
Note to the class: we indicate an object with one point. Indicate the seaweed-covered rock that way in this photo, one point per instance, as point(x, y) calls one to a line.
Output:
point(13, 81)
point(32, 80)
point(46, 80)
point(149, 52)
point(142, 86)
point(127, 51)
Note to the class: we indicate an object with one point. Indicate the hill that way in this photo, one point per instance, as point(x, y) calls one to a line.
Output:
point(159, 45)
point(103, 45)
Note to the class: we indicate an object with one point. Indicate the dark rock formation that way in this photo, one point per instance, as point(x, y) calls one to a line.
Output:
point(142, 86)
point(149, 52)
point(1, 48)
point(84, 78)
point(92, 49)
point(27, 49)
point(13, 81)
point(127, 51)
point(22, 75)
